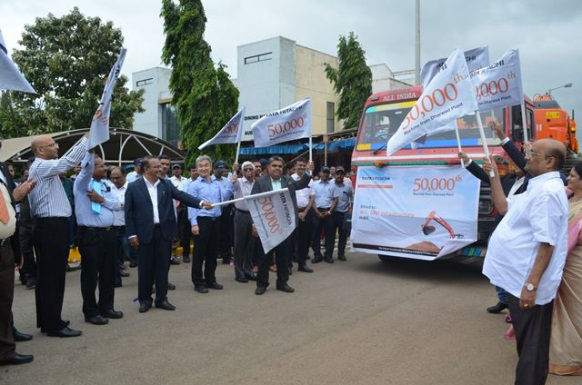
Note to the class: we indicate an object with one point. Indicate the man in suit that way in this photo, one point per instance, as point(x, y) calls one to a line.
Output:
point(151, 225)
point(275, 180)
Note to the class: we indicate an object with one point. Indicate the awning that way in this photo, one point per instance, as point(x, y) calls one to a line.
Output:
point(338, 145)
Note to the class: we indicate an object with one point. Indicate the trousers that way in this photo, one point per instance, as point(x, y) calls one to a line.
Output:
point(243, 244)
point(153, 259)
point(205, 251)
point(6, 296)
point(281, 253)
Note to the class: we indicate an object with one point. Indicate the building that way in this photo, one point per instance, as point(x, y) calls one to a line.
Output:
point(271, 74)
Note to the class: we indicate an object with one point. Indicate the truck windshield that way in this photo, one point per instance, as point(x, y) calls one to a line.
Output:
point(381, 121)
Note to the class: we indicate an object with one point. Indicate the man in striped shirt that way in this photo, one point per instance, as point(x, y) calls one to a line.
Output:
point(50, 208)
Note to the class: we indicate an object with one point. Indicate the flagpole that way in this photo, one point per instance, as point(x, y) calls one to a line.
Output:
point(237, 151)
point(483, 139)
point(459, 143)
point(524, 121)
point(248, 196)
point(310, 148)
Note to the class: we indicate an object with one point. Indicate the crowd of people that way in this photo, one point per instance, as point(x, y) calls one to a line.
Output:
point(116, 217)
point(533, 256)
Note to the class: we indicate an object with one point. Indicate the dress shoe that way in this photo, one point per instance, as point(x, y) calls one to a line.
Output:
point(18, 359)
point(165, 305)
point(171, 286)
point(97, 320)
point(305, 269)
point(117, 285)
point(342, 258)
point(65, 332)
point(250, 276)
point(111, 313)
point(260, 290)
point(496, 309)
point(201, 289)
point(215, 286)
point(328, 259)
point(144, 306)
point(290, 270)
point(174, 261)
point(124, 273)
point(132, 264)
point(241, 279)
point(30, 283)
point(186, 259)
point(286, 288)
point(317, 259)
point(20, 337)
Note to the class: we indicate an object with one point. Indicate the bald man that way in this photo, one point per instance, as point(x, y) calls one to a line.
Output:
point(527, 252)
point(50, 210)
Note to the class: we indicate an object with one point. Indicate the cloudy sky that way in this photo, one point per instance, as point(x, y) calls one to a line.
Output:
point(548, 34)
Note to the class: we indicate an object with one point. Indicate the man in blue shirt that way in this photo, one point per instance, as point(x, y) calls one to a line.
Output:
point(94, 206)
point(206, 225)
point(226, 234)
point(343, 192)
point(324, 205)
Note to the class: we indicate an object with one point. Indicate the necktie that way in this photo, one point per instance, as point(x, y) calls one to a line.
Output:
point(95, 206)
point(4, 216)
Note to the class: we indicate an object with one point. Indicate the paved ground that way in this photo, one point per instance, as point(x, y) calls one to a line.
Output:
point(358, 322)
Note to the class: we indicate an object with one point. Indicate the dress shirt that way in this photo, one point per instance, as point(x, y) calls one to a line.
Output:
point(153, 191)
point(276, 183)
point(242, 187)
point(48, 197)
point(132, 177)
point(323, 193)
point(83, 184)
point(344, 194)
point(538, 215)
point(119, 215)
point(208, 191)
point(303, 194)
point(178, 182)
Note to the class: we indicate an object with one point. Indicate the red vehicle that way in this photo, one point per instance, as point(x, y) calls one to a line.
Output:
point(382, 115)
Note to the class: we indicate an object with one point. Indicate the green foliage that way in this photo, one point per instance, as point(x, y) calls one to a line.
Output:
point(352, 80)
point(204, 96)
point(66, 60)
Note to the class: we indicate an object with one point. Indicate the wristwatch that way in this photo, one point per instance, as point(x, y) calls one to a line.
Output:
point(529, 286)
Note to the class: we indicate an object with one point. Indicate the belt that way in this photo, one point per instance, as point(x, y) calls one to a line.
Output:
point(301, 209)
point(323, 209)
point(87, 228)
point(119, 227)
point(242, 211)
point(213, 219)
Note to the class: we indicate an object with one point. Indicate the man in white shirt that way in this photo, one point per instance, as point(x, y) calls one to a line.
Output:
point(119, 187)
point(527, 253)
point(182, 213)
point(304, 232)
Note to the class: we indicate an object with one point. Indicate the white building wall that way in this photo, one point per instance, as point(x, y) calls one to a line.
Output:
point(155, 81)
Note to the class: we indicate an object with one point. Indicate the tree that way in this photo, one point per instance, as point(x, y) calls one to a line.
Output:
point(204, 96)
point(352, 80)
point(66, 60)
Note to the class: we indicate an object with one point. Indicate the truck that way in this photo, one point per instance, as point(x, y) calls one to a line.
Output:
point(384, 111)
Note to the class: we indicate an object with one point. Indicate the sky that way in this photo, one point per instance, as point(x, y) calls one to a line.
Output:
point(548, 34)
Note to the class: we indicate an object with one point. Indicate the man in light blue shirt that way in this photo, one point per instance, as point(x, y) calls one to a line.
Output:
point(343, 192)
point(226, 234)
point(94, 206)
point(206, 225)
point(324, 204)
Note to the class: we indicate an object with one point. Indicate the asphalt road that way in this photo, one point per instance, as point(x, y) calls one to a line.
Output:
point(355, 322)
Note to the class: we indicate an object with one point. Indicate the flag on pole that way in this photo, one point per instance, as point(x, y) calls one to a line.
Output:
point(99, 132)
point(273, 215)
point(447, 97)
point(499, 85)
point(230, 133)
point(476, 58)
point(10, 77)
point(289, 123)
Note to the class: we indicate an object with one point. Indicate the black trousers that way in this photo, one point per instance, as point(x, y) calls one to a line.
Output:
point(244, 244)
point(226, 233)
point(99, 263)
point(281, 253)
point(205, 252)
point(28, 270)
point(303, 236)
point(532, 334)
point(6, 296)
point(153, 259)
point(184, 231)
point(52, 252)
point(338, 223)
point(325, 224)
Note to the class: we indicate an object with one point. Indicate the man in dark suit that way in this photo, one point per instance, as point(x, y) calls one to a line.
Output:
point(151, 225)
point(275, 180)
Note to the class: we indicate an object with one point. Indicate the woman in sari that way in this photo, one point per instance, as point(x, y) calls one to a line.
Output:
point(566, 337)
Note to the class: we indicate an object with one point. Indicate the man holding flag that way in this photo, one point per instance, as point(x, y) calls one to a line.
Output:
point(274, 181)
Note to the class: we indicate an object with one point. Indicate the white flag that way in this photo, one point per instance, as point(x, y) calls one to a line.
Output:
point(499, 84)
point(230, 133)
point(10, 77)
point(289, 123)
point(447, 97)
point(476, 58)
point(99, 132)
point(273, 215)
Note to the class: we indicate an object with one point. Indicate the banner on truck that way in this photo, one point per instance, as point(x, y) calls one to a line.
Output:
point(414, 212)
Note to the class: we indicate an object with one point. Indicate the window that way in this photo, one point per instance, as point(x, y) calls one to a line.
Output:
point(170, 128)
point(330, 117)
point(144, 82)
point(260, 57)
